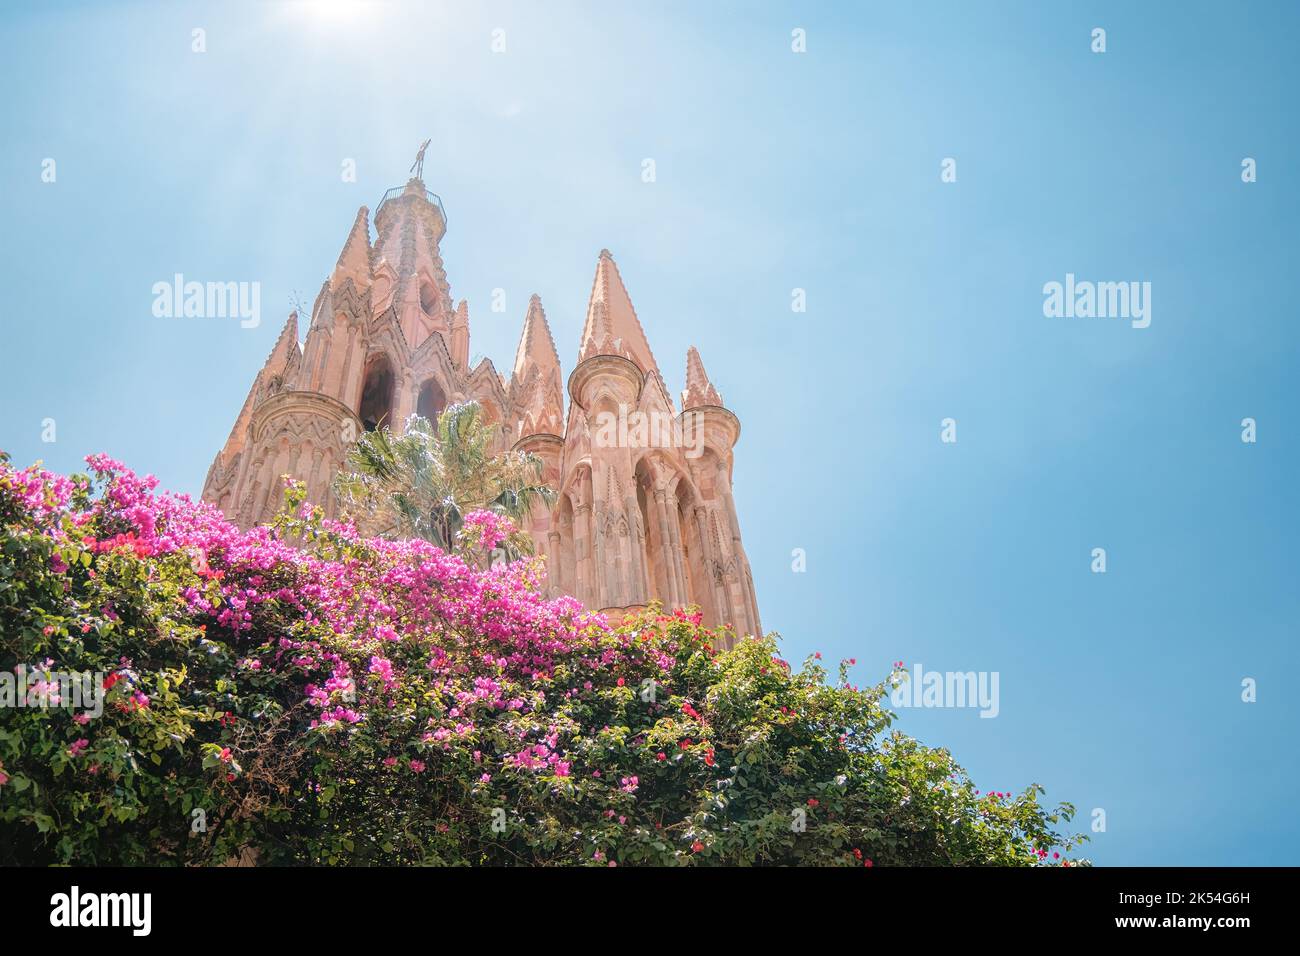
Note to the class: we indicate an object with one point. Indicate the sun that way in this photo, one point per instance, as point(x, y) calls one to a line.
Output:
point(330, 11)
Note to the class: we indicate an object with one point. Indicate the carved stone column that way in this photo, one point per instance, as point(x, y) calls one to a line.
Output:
point(712, 568)
point(555, 564)
point(638, 591)
point(673, 597)
point(675, 549)
point(601, 565)
point(582, 552)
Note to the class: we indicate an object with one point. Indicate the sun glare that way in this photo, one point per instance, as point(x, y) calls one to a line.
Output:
point(330, 11)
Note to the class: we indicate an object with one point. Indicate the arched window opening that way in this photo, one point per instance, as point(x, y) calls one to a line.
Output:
point(428, 298)
point(431, 401)
point(377, 394)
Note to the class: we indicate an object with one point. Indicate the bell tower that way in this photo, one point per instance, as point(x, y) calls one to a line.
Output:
point(644, 508)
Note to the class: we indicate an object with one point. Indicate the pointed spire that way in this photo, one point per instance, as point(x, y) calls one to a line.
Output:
point(285, 345)
point(536, 346)
point(277, 364)
point(699, 390)
point(535, 381)
point(354, 260)
point(612, 327)
point(460, 335)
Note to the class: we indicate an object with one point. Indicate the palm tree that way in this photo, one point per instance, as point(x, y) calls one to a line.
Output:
point(421, 483)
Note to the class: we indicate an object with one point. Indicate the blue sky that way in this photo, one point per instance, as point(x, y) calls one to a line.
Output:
point(775, 171)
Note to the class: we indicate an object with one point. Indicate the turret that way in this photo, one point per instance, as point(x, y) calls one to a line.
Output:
point(410, 223)
point(707, 425)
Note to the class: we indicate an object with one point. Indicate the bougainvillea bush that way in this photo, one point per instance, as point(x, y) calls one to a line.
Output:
point(296, 694)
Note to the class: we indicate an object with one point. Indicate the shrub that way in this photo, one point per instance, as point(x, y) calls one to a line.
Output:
point(299, 694)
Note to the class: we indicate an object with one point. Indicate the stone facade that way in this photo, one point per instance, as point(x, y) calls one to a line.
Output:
point(644, 508)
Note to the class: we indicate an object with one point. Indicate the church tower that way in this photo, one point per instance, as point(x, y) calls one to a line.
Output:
point(643, 510)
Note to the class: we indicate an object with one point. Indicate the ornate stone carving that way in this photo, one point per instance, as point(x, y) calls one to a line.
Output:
point(665, 519)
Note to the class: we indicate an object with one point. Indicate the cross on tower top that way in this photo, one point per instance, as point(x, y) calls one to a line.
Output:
point(417, 167)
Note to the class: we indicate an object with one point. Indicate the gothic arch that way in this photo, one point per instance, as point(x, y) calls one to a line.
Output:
point(431, 399)
point(377, 398)
point(428, 296)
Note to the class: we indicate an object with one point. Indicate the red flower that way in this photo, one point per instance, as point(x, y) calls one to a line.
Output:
point(812, 801)
point(857, 853)
point(685, 743)
point(697, 846)
point(708, 758)
point(111, 679)
point(868, 863)
point(620, 682)
point(661, 756)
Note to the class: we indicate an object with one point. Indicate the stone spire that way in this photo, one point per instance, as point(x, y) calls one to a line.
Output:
point(354, 260)
point(409, 224)
point(635, 519)
point(699, 391)
point(535, 382)
point(612, 327)
point(286, 346)
point(268, 381)
point(536, 346)
point(460, 336)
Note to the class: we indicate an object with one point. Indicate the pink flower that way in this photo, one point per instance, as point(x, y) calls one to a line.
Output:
point(383, 669)
point(78, 746)
point(485, 529)
point(417, 766)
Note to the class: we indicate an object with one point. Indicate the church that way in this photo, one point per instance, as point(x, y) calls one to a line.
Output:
point(635, 519)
